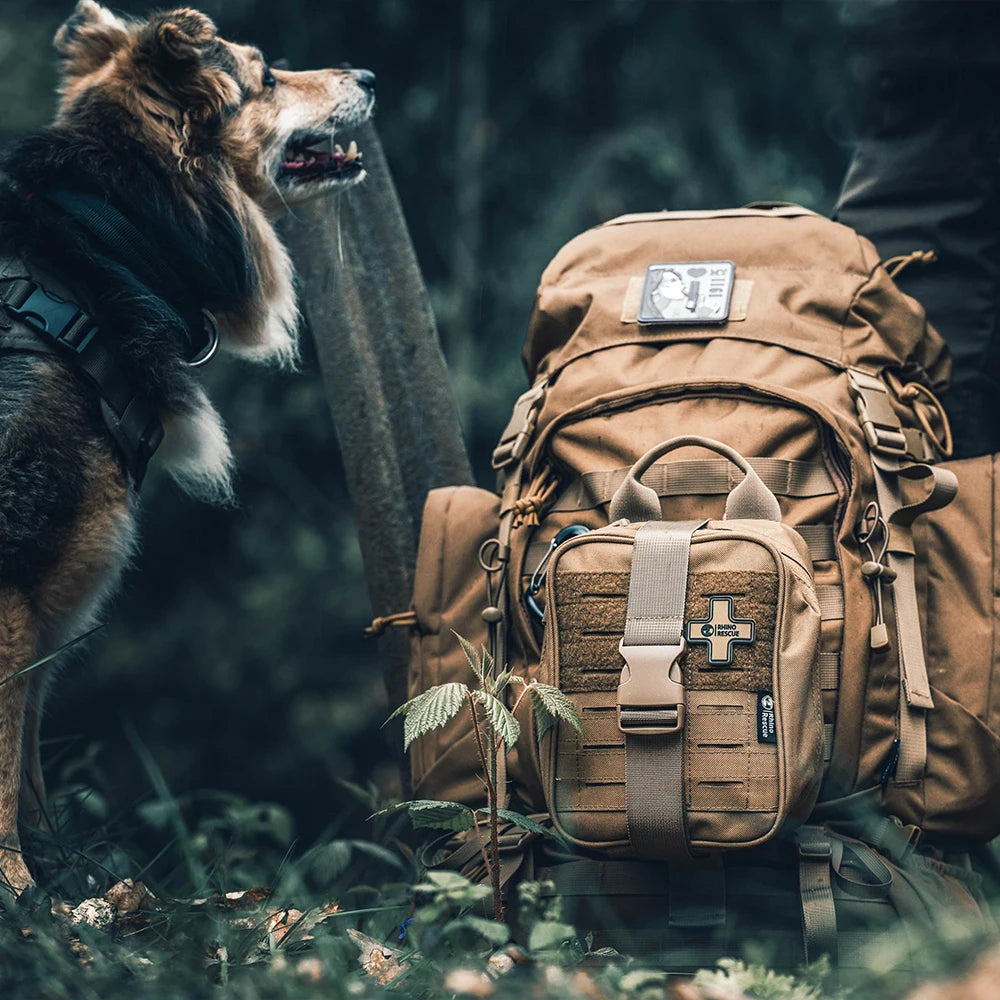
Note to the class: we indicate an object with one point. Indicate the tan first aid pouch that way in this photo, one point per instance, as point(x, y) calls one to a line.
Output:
point(689, 650)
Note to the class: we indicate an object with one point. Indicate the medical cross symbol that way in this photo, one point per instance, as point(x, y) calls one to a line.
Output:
point(720, 630)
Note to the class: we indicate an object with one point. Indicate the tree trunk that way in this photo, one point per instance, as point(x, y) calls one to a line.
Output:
point(385, 378)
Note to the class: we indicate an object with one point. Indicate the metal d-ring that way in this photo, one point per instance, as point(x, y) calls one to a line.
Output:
point(212, 329)
point(489, 556)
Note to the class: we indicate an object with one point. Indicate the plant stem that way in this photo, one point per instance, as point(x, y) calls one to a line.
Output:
point(490, 787)
point(520, 698)
point(495, 836)
point(482, 849)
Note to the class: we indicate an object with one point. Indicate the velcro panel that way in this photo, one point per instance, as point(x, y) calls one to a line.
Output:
point(591, 621)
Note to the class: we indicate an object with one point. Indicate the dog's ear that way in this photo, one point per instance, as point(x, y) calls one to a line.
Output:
point(184, 51)
point(179, 36)
point(88, 39)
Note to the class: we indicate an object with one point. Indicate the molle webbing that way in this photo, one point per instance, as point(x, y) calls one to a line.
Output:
point(708, 476)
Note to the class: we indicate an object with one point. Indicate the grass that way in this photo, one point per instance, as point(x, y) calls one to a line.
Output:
point(231, 906)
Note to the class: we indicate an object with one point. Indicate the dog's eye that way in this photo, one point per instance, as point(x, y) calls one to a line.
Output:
point(268, 78)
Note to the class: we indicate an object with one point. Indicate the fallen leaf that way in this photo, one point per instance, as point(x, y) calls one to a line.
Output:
point(130, 897)
point(95, 912)
point(379, 960)
point(286, 924)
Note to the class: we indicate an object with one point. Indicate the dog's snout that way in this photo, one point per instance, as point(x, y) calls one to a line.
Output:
point(365, 77)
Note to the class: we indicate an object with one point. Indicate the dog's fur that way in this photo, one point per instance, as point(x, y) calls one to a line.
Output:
point(199, 145)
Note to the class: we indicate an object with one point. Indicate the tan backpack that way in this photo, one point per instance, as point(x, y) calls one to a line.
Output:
point(782, 336)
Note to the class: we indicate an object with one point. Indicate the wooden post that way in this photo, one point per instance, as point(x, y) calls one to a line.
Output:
point(384, 375)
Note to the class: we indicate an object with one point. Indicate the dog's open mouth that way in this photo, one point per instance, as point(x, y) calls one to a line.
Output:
point(312, 156)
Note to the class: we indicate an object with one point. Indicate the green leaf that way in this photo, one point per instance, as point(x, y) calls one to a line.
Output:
point(426, 814)
point(495, 933)
point(379, 853)
point(489, 665)
point(430, 710)
point(472, 656)
point(448, 881)
point(433, 815)
point(504, 724)
point(329, 861)
point(500, 682)
point(549, 704)
point(525, 823)
point(549, 936)
point(544, 719)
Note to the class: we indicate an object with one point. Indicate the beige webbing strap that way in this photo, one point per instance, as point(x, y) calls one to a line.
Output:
point(903, 593)
point(651, 693)
point(705, 477)
point(890, 446)
point(819, 538)
point(829, 671)
point(831, 601)
point(508, 460)
point(819, 916)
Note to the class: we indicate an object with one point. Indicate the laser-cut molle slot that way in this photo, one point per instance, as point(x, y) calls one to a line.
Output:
point(725, 675)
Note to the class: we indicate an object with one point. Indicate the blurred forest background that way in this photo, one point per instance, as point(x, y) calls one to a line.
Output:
point(235, 650)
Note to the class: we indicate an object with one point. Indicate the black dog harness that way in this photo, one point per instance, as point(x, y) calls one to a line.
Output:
point(37, 320)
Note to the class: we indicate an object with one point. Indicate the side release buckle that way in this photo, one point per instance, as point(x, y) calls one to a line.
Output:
point(517, 435)
point(651, 693)
point(58, 319)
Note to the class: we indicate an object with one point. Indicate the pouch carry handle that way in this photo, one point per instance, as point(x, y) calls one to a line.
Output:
point(748, 499)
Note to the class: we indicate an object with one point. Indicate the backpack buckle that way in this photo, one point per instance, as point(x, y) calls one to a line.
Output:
point(517, 435)
point(650, 700)
point(883, 429)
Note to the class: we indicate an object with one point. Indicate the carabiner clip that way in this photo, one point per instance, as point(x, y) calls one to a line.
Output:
point(538, 577)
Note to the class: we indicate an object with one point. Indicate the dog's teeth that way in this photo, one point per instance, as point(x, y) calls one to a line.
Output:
point(337, 149)
point(352, 150)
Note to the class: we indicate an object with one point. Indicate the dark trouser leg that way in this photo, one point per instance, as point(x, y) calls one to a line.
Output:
point(926, 175)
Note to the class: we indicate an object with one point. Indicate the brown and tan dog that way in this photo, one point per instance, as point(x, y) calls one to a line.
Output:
point(133, 228)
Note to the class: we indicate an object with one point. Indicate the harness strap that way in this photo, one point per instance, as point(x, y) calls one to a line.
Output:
point(50, 325)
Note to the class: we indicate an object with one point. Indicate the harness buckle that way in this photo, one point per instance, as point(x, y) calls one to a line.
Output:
point(59, 320)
